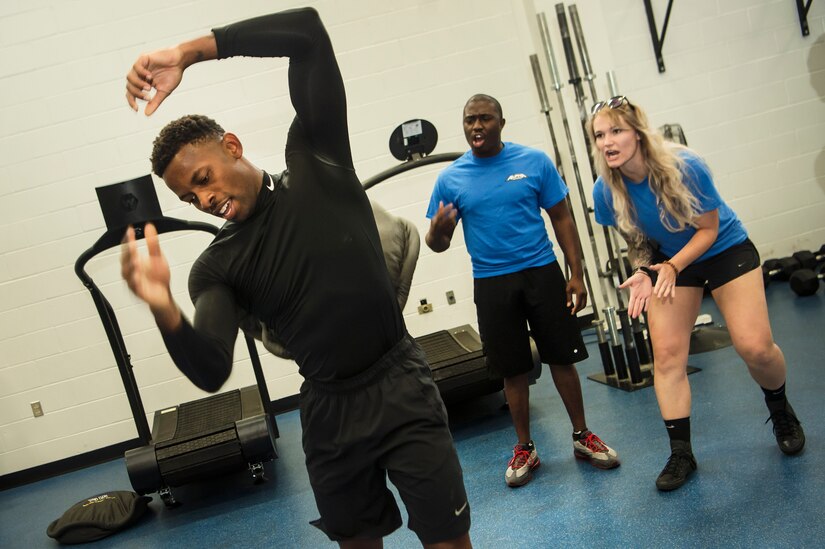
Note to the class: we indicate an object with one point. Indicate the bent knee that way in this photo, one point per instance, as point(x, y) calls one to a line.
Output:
point(758, 352)
point(670, 355)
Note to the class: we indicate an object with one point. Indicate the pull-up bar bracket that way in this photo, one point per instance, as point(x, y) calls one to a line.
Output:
point(658, 41)
point(802, 9)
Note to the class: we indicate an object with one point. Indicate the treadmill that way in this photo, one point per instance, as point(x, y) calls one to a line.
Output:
point(193, 441)
point(458, 364)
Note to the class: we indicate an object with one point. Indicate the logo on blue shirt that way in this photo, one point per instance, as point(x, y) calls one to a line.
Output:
point(516, 177)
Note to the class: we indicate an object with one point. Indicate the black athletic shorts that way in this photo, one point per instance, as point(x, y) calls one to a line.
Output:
point(387, 421)
point(536, 298)
point(718, 270)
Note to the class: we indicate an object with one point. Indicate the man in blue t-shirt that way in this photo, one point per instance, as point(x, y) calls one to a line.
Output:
point(498, 190)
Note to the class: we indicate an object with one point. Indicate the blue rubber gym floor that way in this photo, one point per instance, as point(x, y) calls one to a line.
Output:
point(746, 493)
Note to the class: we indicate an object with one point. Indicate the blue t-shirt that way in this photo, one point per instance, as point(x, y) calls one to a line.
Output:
point(696, 176)
point(499, 199)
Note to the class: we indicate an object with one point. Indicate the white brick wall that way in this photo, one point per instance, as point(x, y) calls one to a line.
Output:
point(747, 88)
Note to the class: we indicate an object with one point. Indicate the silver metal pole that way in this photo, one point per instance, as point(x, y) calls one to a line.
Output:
point(548, 50)
point(598, 323)
point(549, 54)
point(583, 55)
point(612, 87)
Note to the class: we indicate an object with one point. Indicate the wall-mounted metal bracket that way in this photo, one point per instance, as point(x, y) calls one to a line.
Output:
point(658, 41)
point(802, 9)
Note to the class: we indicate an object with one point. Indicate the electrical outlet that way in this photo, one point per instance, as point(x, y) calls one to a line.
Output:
point(450, 298)
point(425, 307)
point(37, 409)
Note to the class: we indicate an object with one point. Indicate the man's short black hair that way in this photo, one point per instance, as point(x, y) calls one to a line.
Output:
point(489, 99)
point(191, 128)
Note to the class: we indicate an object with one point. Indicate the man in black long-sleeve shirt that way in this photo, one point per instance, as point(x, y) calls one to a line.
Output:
point(300, 252)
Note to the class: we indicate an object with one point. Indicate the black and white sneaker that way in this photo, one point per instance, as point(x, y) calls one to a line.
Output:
point(786, 427)
point(680, 465)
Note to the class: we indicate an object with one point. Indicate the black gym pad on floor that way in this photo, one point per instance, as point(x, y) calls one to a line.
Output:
point(97, 517)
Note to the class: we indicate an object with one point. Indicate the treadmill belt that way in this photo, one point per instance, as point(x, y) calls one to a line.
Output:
point(442, 351)
point(195, 444)
point(440, 346)
point(208, 413)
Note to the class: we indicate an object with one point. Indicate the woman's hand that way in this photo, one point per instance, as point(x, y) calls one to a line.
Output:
point(641, 289)
point(666, 274)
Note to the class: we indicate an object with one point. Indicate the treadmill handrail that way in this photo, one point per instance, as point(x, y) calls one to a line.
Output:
point(409, 165)
point(114, 237)
point(110, 239)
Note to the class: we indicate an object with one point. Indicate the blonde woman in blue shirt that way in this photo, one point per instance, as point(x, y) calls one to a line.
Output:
point(681, 234)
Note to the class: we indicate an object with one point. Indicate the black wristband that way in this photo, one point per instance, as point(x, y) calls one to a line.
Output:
point(647, 271)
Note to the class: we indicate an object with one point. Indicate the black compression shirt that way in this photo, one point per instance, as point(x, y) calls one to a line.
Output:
point(308, 261)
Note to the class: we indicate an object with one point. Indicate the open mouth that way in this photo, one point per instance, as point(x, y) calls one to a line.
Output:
point(224, 210)
point(611, 155)
point(477, 139)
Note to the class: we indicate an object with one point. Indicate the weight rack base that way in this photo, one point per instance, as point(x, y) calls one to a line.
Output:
point(626, 385)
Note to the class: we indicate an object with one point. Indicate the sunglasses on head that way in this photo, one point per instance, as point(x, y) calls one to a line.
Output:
point(612, 103)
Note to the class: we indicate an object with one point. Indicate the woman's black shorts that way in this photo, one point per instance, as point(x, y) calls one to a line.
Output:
point(718, 270)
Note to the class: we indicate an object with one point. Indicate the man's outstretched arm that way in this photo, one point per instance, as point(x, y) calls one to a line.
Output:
point(154, 76)
point(315, 84)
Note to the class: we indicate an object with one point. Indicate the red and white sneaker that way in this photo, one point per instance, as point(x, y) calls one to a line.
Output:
point(591, 447)
point(520, 468)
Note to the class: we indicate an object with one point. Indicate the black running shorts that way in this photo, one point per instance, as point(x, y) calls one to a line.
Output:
point(717, 270)
point(387, 421)
point(536, 298)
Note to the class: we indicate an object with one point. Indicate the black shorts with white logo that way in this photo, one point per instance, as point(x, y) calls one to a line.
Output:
point(513, 307)
point(388, 421)
point(718, 270)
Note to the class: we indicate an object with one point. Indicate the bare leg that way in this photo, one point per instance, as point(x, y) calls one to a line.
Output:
point(671, 323)
point(458, 543)
point(742, 302)
point(517, 391)
point(566, 379)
